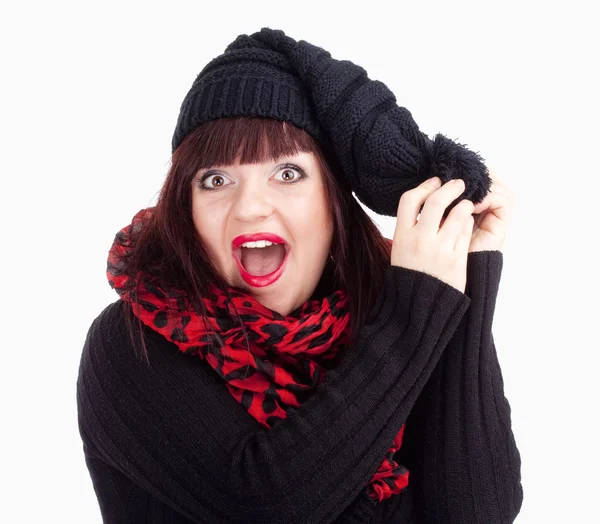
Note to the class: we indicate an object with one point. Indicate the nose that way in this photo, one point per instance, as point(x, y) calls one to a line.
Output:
point(252, 201)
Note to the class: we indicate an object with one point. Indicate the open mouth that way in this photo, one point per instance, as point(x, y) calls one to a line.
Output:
point(261, 266)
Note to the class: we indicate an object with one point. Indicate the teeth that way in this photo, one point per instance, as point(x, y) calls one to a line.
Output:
point(258, 243)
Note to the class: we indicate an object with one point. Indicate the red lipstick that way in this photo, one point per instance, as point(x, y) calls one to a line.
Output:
point(253, 280)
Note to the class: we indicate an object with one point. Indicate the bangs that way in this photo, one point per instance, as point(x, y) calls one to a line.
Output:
point(254, 139)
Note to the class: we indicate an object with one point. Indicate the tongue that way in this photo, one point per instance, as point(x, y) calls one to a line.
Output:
point(262, 261)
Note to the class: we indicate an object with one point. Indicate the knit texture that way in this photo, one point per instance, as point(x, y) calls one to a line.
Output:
point(356, 120)
point(165, 442)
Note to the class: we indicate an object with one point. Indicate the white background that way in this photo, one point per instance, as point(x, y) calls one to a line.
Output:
point(90, 94)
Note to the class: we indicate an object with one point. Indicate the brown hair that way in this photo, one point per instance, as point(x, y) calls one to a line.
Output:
point(170, 249)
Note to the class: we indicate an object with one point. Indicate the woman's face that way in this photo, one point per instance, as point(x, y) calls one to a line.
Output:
point(286, 198)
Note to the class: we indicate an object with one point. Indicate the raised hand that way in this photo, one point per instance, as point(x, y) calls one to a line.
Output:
point(423, 243)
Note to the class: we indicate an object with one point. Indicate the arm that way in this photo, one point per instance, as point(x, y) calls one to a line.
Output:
point(459, 445)
point(175, 431)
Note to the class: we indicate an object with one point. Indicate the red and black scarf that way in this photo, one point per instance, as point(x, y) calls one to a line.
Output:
point(288, 358)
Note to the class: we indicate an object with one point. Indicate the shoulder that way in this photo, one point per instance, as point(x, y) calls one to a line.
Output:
point(111, 350)
point(113, 366)
point(107, 338)
point(114, 376)
point(109, 321)
point(107, 353)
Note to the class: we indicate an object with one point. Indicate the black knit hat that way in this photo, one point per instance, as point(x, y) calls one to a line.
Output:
point(379, 146)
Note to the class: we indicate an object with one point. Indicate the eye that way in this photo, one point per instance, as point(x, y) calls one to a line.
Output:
point(216, 182)
point(212, 181)
point(291, 173)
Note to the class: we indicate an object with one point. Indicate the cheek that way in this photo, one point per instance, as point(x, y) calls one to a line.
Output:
point(311, 219)
point(314, 205)
point(209, 225)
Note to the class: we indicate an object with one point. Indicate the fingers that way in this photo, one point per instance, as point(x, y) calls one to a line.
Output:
point(436, 204)
point(412, 201)
point(499, 202)
point(457, 221)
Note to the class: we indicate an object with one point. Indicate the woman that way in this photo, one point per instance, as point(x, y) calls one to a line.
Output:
point(272, 357)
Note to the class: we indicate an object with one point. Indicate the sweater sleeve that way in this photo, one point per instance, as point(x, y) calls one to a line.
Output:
point(173, 429)
point(458, 443)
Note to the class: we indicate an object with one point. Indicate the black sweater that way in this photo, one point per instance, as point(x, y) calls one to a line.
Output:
point(167, 443)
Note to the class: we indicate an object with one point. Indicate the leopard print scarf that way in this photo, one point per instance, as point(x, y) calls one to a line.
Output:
point(278, 363)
